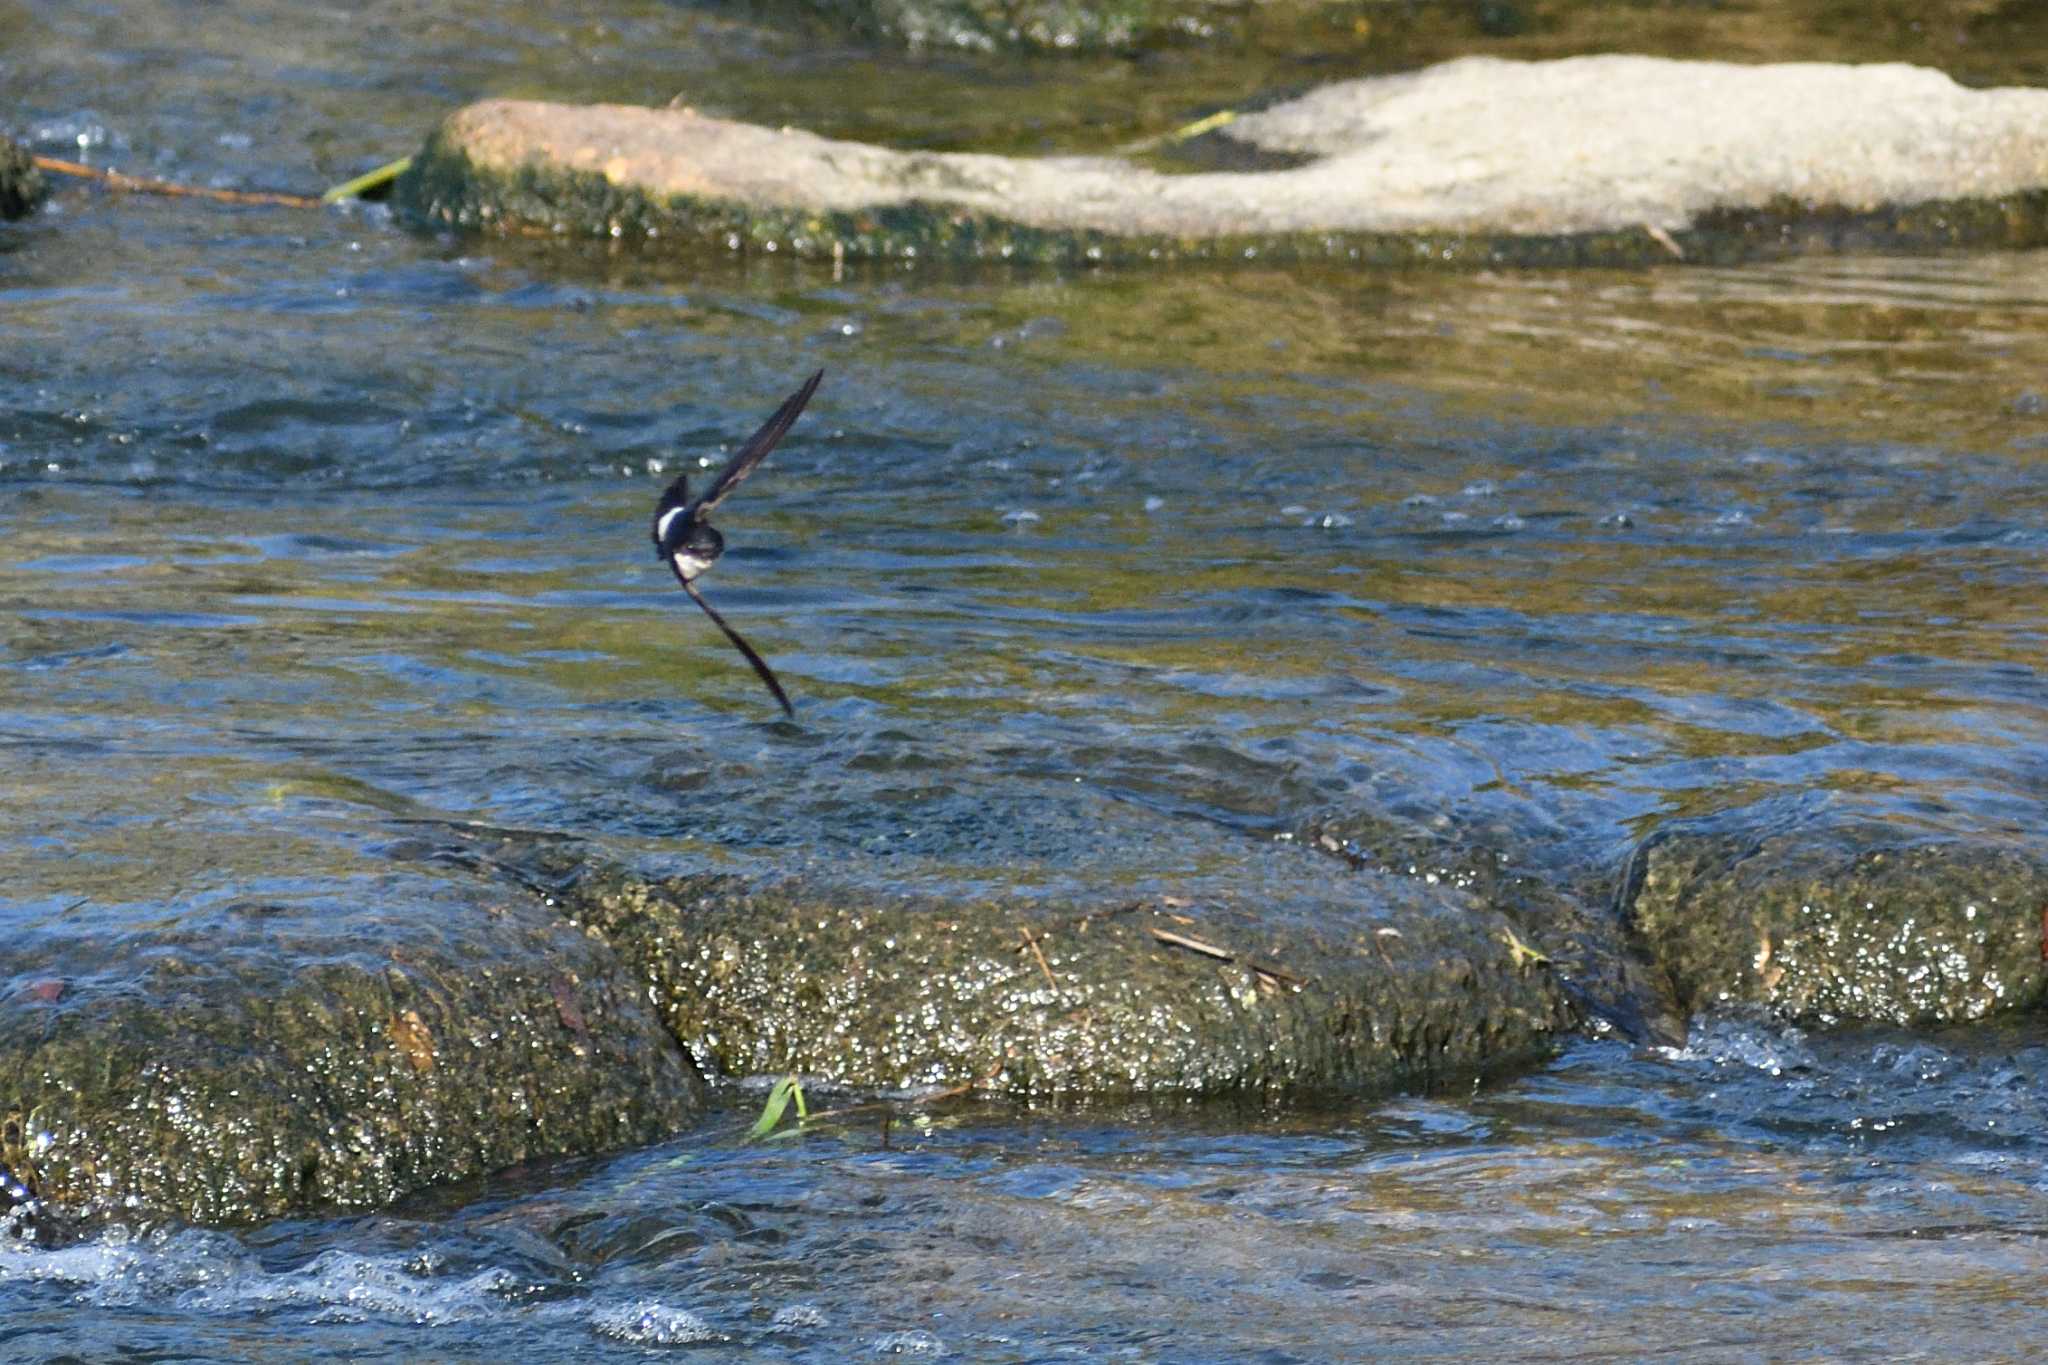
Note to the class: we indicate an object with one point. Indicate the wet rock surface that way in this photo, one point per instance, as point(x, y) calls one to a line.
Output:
point(1588, 159)
point(256, 1062)
point(1560, 904)
point(1405, 987)
point(22, 188)
point(1849, 921)
point(1817, 918)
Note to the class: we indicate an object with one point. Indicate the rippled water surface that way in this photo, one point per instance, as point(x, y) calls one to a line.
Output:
point(1083, 584)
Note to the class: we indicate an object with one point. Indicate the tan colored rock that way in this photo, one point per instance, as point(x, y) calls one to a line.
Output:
point(1588, 145)
point(1597, 143)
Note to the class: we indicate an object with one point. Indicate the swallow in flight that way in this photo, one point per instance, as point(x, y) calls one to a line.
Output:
point(684, 536)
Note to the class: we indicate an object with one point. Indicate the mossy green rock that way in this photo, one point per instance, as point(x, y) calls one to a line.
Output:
point(1561, 905)
point(1405, 986)
point(1845, 924)
point(22, 187)
point(238, 1069)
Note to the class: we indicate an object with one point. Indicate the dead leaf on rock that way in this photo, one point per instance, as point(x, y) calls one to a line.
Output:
point(1766, 973)
point(567, 1009)
point(410, 1034)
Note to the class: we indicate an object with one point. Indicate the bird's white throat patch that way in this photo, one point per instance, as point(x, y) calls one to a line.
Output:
point(689, 566)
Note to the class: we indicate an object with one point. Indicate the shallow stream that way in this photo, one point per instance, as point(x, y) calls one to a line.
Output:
point(1085, 585)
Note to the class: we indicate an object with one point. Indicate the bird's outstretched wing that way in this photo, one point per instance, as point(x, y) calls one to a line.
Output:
point(739, 643)
point(756, 449)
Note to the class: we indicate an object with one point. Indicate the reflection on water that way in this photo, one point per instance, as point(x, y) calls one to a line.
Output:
point(1084, 585)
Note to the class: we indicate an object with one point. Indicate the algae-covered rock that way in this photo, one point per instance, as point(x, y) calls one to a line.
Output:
point(22, 187)
point(1405, 986)
point(248, 1065)
point(1594, 159)
point(1562, 908)
point(1848, 922)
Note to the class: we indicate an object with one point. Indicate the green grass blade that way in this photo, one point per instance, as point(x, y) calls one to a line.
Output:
point(778, 1102)
point(368, 180)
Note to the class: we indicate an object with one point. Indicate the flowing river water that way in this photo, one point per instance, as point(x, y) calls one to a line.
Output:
point(1085, 584)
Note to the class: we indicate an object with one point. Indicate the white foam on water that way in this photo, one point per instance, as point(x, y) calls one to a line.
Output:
point(121, 1267)
point(1745, 1038)
point(346, 1286)
point(909, 1344)
point(648, 1322)
point(798, 1316)
point(211, 1273)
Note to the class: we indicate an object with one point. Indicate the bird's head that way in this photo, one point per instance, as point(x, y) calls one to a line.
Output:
point(699, 540)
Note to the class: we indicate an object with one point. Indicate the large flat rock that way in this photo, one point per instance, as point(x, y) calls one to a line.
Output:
point(255, 1060)
point(1402, 986)
point(1585, 158)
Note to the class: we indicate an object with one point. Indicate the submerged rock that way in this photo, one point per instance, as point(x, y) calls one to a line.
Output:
point(1405, 986)
point(257, 1064)
point(22, 187)
point(1476, 161)
point(1853, 922)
